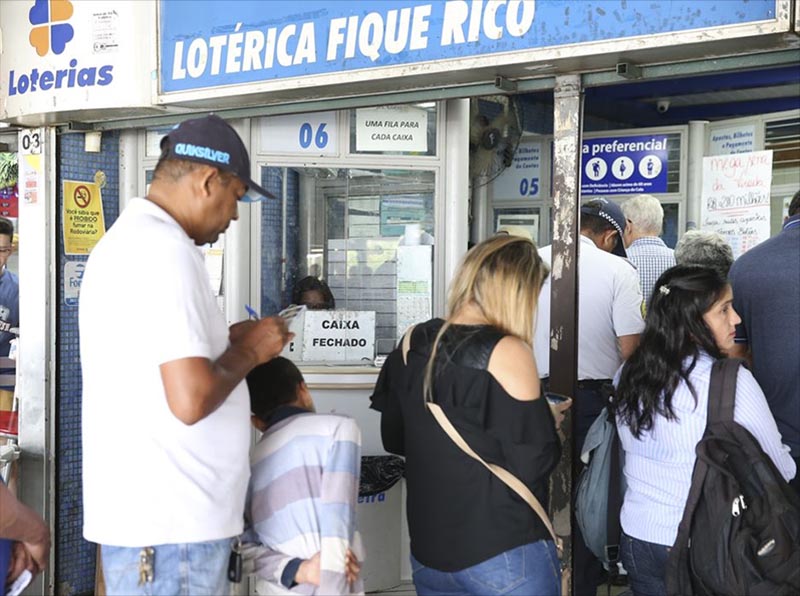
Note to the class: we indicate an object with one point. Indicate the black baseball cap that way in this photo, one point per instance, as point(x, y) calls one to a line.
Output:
point(612, 213)
point(211, 140)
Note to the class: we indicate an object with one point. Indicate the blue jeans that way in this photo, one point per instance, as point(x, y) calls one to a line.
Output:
point(197, 568)
point(646, 564)
point(531, 569)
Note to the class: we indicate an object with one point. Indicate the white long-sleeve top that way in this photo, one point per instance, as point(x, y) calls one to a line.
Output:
point(658, 465)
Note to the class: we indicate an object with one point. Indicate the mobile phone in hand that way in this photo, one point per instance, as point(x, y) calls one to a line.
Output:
point(19, 584)
point(555, 399)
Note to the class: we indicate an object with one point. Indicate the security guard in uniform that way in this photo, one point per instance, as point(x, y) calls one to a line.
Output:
point(609, 325)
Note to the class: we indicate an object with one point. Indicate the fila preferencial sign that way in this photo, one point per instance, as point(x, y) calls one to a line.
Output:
point(72, 55)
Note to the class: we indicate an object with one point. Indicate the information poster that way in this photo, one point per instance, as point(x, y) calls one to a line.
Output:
point(736, 197)
point(732, 139)
point(414, 286)
point(624, 165)
point(398, 211)
point(525, 221)
point(521, 179)
point(83, 219)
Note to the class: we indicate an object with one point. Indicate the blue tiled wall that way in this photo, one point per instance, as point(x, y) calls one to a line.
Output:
point(75, 558)
point(272, 300)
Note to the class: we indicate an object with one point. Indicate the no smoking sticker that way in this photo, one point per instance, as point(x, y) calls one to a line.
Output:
point(83, 219)
point(82, 196)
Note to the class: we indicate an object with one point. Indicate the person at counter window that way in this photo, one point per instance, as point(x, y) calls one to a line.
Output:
point(303, 488)
point(314, 293)
point(165, 412)
point(470, 533)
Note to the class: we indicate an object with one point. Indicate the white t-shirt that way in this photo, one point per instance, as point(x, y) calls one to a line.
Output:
point(147, 477)
point(609, 306)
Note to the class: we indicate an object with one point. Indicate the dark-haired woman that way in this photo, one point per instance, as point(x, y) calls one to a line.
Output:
point(661, 400)
point(314, 293)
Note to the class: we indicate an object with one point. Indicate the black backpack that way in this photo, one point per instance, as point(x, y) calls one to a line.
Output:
point(740, 531)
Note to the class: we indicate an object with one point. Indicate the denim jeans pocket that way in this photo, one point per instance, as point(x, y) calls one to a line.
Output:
point(415, 565)
point(627, 556)
point(501, 573)
point(121, 571)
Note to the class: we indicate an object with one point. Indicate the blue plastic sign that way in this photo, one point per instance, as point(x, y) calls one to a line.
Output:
point(240, 41)
point(307, 134)
point(624, 165)
point(73, 277)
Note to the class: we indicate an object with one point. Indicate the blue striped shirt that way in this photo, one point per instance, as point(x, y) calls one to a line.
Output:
point(651, 257)
point(302, 496)
point(658, 466)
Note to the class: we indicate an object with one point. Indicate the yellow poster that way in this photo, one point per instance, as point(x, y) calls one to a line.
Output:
point(83, 220)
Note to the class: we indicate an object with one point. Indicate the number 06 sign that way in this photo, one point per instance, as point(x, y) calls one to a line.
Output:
point(307, 134)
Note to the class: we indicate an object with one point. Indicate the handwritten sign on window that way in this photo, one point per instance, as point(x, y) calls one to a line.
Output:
point(736, 196)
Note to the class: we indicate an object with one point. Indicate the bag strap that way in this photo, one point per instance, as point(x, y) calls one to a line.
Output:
point(722, 390)
point(406, 345)
point(721, 400)
point(504, 475)
point(614, 503)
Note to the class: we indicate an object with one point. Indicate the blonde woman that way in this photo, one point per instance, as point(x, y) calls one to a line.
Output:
point(470, 534)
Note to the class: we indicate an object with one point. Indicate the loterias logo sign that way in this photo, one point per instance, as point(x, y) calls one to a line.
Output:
point(50, 28)
point(50, 33)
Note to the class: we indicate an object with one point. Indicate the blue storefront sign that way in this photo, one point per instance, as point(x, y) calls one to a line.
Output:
point(624, 165)
point(240, 41)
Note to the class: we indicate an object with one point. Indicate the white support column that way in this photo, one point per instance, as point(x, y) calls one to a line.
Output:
point(454, 219)
point(237, 249)
point(129, 167)
point(481, 217)
point(698, 130)
point(37, 343)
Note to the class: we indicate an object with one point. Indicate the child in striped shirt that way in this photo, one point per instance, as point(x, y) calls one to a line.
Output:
point(303, 489)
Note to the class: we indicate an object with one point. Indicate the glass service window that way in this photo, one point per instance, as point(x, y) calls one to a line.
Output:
point(783, 138)
point(673, 162)
point(671, 226)
point(368, 233)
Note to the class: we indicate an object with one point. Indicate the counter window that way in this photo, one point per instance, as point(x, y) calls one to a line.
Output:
point(350, 239)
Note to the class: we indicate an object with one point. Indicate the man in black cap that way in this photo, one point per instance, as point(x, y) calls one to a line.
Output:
point(609, 325)
point(165, 412)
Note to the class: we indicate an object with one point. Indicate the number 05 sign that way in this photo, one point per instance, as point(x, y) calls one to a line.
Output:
point(307, 134)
